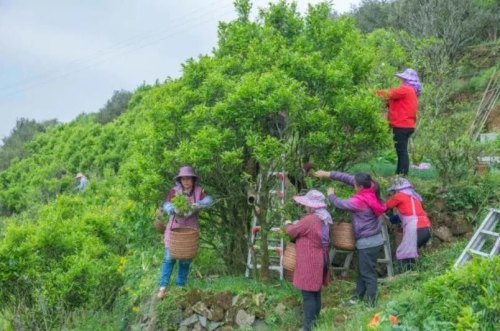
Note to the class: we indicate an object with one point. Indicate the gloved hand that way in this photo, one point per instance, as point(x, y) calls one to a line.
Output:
point(322, 174)
point(394, 219)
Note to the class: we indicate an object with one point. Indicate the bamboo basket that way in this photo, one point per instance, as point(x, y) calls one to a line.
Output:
point(183, 243)
point(289, 257)
point(288, 275)
point(343, 236)
point(159, 226)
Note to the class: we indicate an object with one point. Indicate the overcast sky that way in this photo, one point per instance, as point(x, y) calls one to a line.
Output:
point(59, 58)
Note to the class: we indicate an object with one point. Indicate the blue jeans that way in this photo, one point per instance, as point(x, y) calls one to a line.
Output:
point(168, 266)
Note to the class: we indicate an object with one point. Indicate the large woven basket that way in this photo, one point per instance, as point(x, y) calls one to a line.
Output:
point(289, 257)
point(288, 275)
point(183, 243)
point(343, 236)
point(398, 237)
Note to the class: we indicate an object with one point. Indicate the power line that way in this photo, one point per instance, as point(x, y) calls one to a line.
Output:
point(124, 47)
point(120, 45)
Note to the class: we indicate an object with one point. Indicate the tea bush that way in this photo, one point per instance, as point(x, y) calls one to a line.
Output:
point(462, 299)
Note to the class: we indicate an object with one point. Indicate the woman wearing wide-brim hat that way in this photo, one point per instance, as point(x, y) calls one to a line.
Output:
point(312, 238)
point(186, 183)
point(402, 102)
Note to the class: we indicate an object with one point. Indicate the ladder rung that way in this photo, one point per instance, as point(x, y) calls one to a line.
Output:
point(475, 251)
point(383, 260)
point(269, 248)
point(340, 268)
point(491, 233)
point(271, 267)
point(342, 251)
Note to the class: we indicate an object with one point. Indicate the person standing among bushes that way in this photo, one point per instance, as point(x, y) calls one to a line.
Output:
point(82, 181)
point(366, 207)
point(312, 239)
point(402, 102)
point(410, 212)
point(186, 183)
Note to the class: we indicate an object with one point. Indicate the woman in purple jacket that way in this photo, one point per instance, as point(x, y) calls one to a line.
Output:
point(366, 207)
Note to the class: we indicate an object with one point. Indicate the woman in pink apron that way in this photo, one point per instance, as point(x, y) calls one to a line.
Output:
point(414, 221)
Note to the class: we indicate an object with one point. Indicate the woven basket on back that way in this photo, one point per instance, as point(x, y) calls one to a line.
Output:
point(343, 236)
point(289, 257)
point(159, 226)
point(398, 237)
point(288, 275)
point(183, 243)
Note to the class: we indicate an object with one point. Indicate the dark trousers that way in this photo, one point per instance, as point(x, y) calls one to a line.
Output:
point(312, 307)
point(423, 236)
point(367, 274)
point(401, 137)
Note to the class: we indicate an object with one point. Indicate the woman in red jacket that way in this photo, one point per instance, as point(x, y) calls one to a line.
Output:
point(403, 105)
point(312, 238)
point(416, 224)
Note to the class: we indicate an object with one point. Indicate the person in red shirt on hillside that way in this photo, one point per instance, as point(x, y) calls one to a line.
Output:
point(402, 102)
point(312, 239)
point(409, 212)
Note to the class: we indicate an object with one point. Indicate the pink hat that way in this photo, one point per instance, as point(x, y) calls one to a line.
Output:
point(313, 199)
point(409, 74)
point(186, 171)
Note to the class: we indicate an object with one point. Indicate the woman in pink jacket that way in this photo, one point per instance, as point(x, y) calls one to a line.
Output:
point(312, 238)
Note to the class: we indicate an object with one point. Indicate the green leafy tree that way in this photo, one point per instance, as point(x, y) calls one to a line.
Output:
point(276, 93)
point(372, 14)
point(457, 23)
point(13, 146)
point(114, 106)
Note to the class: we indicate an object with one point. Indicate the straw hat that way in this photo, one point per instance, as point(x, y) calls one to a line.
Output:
point(400, 184)
point(409, 75)
point(186, 171)
point(313, 199)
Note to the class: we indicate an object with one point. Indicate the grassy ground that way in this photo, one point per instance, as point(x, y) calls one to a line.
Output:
point(397, 289)
point(333, 316)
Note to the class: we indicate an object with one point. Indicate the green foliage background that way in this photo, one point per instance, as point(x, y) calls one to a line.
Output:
point(277, 92)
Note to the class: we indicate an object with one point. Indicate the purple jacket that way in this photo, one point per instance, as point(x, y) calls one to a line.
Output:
point(364, 206)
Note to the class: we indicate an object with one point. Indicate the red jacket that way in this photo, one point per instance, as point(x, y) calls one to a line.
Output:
point(403, 106)
point(402, 202)
point(308, 274)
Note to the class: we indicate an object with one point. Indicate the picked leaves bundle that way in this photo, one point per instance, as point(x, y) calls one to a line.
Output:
point(182, 204)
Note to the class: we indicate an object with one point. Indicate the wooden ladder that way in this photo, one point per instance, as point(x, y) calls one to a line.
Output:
point(387, 259)
point(487, 232)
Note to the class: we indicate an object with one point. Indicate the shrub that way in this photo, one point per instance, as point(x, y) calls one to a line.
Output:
point(465, 298)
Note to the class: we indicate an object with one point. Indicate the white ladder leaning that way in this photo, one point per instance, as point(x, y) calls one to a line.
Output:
point(487, 232)
point(275, 262)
